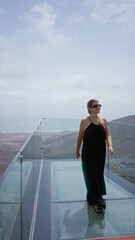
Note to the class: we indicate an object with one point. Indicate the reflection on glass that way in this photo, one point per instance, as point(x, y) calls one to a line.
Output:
point(122, 162)
point(80, 221)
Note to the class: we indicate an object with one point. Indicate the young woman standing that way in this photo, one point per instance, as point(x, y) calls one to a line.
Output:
point(94, 132)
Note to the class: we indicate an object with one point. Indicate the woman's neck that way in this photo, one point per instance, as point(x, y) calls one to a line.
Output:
point(94, 116)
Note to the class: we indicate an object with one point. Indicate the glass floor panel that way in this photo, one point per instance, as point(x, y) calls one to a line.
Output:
point(68, 183)
point(80, 221)
point(74, 219)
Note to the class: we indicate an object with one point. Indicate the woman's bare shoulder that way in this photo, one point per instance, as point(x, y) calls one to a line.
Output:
point(84, 121)
point(103, 121)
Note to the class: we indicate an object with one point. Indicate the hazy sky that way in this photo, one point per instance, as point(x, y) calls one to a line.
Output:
point(55, 55)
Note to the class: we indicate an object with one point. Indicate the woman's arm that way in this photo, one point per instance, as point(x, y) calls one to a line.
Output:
point(79, 139)
point(108, 138)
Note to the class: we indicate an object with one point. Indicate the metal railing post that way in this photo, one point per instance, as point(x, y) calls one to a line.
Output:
point(21, 161)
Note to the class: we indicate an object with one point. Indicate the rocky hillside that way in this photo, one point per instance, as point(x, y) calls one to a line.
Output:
point(128, 119)
point(10, 144)
point(61, 146)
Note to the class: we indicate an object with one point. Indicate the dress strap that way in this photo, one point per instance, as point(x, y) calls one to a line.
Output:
point(90, 120)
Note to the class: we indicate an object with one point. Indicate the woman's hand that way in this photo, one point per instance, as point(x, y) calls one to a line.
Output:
point(77, 155)
point(111, 150)
point(79, 139)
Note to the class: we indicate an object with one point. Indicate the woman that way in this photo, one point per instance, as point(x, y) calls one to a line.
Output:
point(94, 132)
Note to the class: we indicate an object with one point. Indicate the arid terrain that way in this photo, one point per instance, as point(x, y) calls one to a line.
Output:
point(10, 144)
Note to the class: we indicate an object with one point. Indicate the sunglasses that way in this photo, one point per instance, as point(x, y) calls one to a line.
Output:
point(96, 105)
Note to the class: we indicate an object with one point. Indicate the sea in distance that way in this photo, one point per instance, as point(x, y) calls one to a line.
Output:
point(48, 125)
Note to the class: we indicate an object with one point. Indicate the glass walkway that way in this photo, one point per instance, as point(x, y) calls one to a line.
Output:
point(45, 199)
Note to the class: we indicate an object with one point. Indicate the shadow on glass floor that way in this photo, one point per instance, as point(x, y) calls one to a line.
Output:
point(73, 218)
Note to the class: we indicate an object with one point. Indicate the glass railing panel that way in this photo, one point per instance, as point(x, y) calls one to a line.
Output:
point(18, 190)
point(10, 187)
point(8, 213)
point(122, 162)
point(60, 125)
point(31, 158)
point(59, 138)
point(10, 201)
point(37, 153)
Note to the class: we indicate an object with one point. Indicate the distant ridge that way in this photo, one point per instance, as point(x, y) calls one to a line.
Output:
point(128, 119)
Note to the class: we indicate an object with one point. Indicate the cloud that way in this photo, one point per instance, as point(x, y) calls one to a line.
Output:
point(76, 18)
point(24, 85)
point(12, 68)
point(61, 91)
point(120, 12)
point(43, 21)
point(4, 43)
point(1, 10)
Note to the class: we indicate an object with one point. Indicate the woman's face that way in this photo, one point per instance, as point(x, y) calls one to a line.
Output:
point(95, 107)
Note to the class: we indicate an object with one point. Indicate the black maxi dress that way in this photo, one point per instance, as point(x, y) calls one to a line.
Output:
point(93, 161)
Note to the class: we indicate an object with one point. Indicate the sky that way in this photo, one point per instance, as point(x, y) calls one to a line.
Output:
point(55, 55)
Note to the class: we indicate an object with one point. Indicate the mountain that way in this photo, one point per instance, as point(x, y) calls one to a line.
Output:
point(61, 146)
point(10, 144)
point(128, 119)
